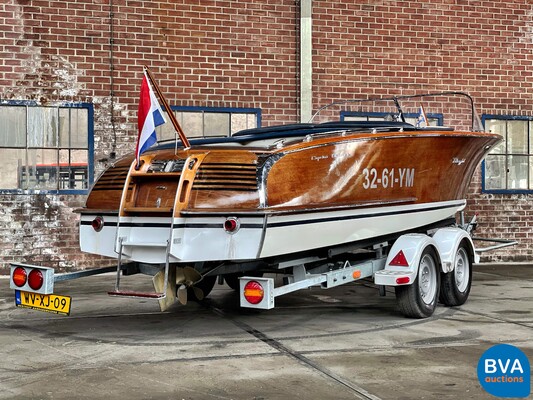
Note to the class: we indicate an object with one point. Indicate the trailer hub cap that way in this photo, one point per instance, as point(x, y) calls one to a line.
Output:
point(461, 270)
point(427, 280)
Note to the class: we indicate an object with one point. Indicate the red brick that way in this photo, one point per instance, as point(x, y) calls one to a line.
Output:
point(231, 53)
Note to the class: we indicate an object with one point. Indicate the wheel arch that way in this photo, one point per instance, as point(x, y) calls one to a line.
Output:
point(412, 246)
point(448, 241)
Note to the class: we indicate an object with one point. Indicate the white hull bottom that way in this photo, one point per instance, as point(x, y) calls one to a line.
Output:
point(193, 239)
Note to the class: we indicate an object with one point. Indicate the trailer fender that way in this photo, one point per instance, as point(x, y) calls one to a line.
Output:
point(448, 241)
point(401, 267)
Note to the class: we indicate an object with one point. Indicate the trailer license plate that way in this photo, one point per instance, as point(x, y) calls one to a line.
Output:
point(43, 302)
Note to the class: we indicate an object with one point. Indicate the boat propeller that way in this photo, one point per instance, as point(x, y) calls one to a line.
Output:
point(186, 278)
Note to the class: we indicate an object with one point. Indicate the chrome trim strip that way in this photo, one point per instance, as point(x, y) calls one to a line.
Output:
point(275, 212)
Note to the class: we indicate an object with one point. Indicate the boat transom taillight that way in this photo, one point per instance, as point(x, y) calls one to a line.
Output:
point(232, 225)
point(98, 223)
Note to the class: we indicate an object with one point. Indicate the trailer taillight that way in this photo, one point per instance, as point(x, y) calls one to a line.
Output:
point(253, 292)
point(399, 260)
point(31, 278)
point(98, 223)
point(19, 276)
point(35, 279)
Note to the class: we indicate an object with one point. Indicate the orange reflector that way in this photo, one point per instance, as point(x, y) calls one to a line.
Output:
point(399, 260)
point(356, 274)
point(403, 280)
point(253, 292)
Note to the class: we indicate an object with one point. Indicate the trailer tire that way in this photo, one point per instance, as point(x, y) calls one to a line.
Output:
point(233, 279)
point(419, 299)
point(455, 285)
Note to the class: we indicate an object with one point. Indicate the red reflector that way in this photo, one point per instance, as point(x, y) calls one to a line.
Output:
point(35, 279)
point(253, 292)
point(403, 280)
point(399, 260)
point(97, 224)
point(19, 276)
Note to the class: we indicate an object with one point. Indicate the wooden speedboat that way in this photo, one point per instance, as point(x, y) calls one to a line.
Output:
point(280, 190)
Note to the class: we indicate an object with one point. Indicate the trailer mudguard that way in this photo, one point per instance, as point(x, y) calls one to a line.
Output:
point(404, 258)
point(448, 241)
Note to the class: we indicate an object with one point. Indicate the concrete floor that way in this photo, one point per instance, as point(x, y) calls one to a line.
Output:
point(342, 343)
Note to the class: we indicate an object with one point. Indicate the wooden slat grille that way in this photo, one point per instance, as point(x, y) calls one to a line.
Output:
point(224, 176)
point(113, 179)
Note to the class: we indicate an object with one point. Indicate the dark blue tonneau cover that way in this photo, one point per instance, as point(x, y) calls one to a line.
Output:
point(293, 130)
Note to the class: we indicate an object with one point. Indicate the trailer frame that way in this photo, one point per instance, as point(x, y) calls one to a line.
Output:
point(393, 261)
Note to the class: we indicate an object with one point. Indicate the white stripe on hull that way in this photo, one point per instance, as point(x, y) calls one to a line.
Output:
point(292, 234)
point(204, 239)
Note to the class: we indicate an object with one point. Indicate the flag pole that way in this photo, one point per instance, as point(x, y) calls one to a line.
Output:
point(170, 114)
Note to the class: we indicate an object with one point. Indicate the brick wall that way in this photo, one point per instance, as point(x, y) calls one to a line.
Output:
point(245, 54)
point(484, 48)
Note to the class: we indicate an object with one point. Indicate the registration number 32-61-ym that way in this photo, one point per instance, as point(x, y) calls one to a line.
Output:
point(388, 178)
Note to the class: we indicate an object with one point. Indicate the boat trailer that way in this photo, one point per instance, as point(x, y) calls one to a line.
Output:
point(424, 268)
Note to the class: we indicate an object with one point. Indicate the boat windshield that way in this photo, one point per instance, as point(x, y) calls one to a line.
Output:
point(453, 109)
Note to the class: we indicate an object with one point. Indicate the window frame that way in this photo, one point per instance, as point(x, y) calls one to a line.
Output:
point(90, 147)
point(526, 118)
point(215, 110)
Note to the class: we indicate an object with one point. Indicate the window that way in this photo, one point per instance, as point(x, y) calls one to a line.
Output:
point(410, 118)
point(508, 168)
point(45, 148)
point(203, 122)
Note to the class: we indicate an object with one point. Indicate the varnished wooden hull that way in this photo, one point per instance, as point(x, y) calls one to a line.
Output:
point(308, 192)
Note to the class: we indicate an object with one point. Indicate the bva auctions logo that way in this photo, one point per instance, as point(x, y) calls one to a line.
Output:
point(504, 371)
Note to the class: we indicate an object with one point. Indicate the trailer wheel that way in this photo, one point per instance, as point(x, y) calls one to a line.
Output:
point(455, 286)
point(419, 299)
point(233, 279)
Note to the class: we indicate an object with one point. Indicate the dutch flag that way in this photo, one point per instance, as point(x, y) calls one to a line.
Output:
point(149, 116)
point(422, 118)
